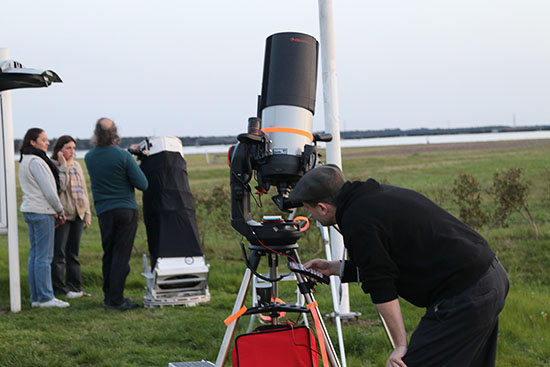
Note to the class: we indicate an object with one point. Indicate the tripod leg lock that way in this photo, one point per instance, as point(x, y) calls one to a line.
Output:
point(306, 287)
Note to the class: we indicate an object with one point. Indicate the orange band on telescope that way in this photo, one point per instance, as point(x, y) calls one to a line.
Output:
point(287, 130)
point(235, 316)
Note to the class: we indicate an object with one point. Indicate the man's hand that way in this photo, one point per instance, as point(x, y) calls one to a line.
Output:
point(324, 266)
point(395, 359)
point(390, 312)
point(87, 224)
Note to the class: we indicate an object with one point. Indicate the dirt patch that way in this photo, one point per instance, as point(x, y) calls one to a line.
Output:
point(429, 148)
point(369, 322)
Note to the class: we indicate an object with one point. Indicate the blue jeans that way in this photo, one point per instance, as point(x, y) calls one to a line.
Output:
point(41, 236)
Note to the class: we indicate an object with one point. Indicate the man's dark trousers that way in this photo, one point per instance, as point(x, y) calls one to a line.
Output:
point(462, 331)
point(118, 230)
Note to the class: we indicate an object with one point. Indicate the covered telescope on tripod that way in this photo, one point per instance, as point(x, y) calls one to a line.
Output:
point(178, 274)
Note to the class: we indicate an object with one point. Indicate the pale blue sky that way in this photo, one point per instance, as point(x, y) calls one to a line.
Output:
point(189, 68)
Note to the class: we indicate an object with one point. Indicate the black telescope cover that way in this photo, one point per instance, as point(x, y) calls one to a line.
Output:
point(168, 209)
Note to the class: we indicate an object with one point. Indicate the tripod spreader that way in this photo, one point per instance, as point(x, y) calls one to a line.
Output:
point(275, 308)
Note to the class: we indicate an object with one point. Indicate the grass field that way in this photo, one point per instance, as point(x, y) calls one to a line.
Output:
point(87, 335)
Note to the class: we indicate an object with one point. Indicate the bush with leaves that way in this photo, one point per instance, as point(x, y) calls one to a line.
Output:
point(467, 195)
point(212, 207)
point(510, 191)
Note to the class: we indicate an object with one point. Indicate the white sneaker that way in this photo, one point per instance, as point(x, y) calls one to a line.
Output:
point(54, 302)
point(35, 304)
point(72, 294)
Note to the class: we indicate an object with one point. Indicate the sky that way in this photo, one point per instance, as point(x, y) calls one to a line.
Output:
point(194, 68)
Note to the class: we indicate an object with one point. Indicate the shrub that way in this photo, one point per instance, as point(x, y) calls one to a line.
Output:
point(510, 191)
point(467, 195)
point(212, 207)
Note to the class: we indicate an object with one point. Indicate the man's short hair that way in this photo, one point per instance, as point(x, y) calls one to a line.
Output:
point(105, 134)
point(322, 183)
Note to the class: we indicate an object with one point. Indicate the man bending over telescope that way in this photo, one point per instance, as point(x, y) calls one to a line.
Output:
point(401, 244)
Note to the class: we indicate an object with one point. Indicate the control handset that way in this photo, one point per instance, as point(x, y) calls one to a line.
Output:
point(312, 273)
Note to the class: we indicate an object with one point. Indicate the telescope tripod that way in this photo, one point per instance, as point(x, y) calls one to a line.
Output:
point(270, 305)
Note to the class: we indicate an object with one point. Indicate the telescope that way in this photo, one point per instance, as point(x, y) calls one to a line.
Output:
point(277, 150)
point(279, 146)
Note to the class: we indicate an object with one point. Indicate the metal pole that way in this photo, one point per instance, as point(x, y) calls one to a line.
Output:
point(11, 199)
point(334, 280)
point(332, 125)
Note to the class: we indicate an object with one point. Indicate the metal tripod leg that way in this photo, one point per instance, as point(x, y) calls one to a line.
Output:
point(334, 283)
point(331, 353)
point(239, 303)
point(231, 328)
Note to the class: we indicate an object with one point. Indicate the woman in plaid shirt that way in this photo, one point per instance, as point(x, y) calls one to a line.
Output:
point(66, 275)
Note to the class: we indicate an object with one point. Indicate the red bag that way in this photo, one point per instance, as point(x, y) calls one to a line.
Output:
point(276, 345)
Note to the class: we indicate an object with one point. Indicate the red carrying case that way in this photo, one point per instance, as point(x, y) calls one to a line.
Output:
point(276, 346)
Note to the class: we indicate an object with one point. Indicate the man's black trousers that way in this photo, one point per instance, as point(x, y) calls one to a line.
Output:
point(462, 331)
point(118, 230)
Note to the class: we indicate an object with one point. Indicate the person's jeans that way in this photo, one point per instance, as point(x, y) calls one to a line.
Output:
point(41, 236)
point(66, 275)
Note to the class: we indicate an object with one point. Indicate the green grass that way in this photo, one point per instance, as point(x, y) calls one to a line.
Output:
point(85, 334)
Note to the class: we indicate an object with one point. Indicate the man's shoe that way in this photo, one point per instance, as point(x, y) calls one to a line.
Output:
point(125, 306)
point(72, 294)
point(125, 299)
point(35, 304)
point(54, 302)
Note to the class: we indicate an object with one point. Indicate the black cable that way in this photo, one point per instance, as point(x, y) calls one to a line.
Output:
point(249, 266)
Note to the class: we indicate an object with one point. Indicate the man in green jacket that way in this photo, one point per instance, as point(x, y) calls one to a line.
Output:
point(114, 174)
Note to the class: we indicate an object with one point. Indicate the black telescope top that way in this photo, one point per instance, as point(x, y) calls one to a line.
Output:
point(290, 71)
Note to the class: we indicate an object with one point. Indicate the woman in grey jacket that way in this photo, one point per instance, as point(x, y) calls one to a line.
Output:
point(66, 275)
point(42, 209)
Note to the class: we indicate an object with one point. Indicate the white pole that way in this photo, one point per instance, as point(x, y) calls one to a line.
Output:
point(332, 125)
point(334, 282)
point(11, 199)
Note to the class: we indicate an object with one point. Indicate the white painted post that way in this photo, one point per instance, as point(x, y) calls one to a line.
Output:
point(11, 198)
point(332, 125)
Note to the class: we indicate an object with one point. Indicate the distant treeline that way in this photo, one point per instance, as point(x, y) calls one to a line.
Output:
point(423, 131)
point(84, 144)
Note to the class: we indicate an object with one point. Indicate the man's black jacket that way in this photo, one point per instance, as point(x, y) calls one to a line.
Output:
point(402, 244)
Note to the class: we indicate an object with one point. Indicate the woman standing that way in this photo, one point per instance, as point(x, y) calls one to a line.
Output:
point(66, 275)
point(42, 209)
